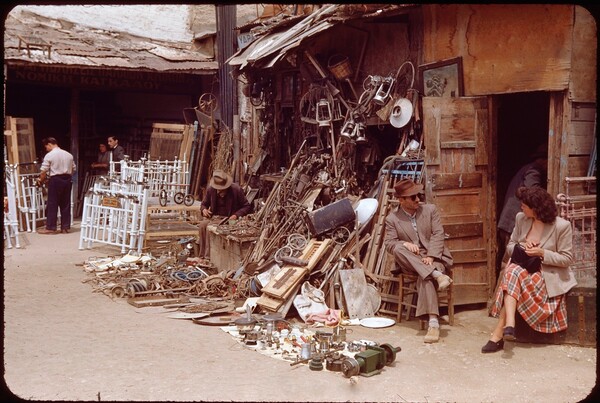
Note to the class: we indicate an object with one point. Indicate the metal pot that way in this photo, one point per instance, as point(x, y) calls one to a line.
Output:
point(245, 324)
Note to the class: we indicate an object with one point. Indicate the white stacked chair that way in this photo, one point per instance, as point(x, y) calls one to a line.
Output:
point(11, 222)
point(115, 207)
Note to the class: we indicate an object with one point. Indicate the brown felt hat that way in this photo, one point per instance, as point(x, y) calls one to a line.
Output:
point(220, 180)
point(406, 187)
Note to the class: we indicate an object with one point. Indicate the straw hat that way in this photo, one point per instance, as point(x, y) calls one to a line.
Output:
point(401, 112)
point(220, 180)
point(406, 187)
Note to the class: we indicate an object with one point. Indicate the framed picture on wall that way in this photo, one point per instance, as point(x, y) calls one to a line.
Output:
point(442, 79)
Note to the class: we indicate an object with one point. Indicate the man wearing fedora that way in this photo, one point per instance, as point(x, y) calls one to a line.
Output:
point(415, 237)
point(224, 200)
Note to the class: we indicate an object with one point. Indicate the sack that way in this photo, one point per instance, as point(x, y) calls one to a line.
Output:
point(530, 263)
point(310, 301)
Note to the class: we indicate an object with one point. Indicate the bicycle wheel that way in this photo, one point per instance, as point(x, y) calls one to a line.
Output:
point(189, 200)
point(178, 197)
point(162, 198)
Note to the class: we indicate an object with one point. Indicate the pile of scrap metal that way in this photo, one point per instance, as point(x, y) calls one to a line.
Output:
point(311, 227)
point(136, 275)
point(322, 175)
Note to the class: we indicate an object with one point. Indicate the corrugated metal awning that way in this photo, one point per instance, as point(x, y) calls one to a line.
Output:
point(270, 48)
point(265, 47)
point(84, 47)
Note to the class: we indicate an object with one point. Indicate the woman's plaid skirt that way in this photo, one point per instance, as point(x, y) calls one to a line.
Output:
point(544, 314)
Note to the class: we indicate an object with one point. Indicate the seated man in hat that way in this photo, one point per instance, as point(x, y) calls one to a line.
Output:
point(414, 236)
point(223, 201)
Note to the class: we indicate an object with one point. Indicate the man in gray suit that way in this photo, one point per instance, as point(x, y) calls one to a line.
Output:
point(415, 237)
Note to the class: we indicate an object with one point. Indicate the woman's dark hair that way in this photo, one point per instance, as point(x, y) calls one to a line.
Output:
point(540, 201)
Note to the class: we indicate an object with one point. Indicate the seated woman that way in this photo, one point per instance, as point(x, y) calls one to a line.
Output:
point(539, 297)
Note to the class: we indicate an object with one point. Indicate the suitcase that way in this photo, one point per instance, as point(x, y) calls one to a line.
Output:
point(581, 317)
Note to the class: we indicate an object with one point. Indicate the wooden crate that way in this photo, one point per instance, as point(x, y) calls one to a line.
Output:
point(581, 316)
point(227, 251)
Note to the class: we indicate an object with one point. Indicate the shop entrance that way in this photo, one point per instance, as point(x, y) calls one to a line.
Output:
point(523, 124)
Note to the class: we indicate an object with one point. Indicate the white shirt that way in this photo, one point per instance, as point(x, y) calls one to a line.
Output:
point(58, 162)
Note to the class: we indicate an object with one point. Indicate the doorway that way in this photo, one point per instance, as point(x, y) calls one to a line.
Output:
point(523, 124)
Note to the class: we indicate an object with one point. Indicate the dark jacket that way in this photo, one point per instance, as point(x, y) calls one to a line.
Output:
point(235, 202)
point(118, 153)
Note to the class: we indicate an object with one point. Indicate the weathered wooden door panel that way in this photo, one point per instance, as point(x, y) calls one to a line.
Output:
point(456, 139)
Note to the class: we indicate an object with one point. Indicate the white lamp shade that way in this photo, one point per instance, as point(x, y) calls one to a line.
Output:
point(365, 209)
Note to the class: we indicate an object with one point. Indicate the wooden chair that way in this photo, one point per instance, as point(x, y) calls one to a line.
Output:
point(399, 295)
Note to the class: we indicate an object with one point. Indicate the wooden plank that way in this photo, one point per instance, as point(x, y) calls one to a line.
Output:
point(270, 303)
point(468, 256)
point(290, 276)
point(284, 280)
point(470, 293)
point(284, 309)
point(185, 151)
point(470, 203)
point(356, 294)
point(156, 300)
point(443, 181)
point(457, 144)
point(482, 132)
point(431, 126)
point(464, 229)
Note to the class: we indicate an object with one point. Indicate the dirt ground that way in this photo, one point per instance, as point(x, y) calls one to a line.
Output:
point(62, 341)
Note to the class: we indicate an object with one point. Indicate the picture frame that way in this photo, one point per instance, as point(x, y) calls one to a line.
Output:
point(442, 79)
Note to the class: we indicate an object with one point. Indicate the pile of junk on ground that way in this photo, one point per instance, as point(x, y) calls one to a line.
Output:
point(307, 268)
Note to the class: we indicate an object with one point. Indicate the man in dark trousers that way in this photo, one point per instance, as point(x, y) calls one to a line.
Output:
point(58, 167)
point(414, 236)
point(223, 201)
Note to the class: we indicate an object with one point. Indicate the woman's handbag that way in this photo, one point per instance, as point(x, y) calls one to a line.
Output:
point(530, 263)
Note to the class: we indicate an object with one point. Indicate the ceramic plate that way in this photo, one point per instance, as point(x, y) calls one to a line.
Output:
point(377, 322)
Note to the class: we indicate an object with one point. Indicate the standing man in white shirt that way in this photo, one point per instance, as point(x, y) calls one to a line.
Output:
point(57, 168)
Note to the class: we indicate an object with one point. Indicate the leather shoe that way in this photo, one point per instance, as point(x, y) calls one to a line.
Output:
point(444, 282)
point(492, 346)
point(45, 231)
point(509, 334)
point(64, 230)
point(433, 335)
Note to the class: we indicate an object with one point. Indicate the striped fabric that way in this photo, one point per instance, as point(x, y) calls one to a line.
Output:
point(546, 315)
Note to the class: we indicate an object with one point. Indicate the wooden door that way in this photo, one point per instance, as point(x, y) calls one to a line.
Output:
point(457, 141)
point(20, 143)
